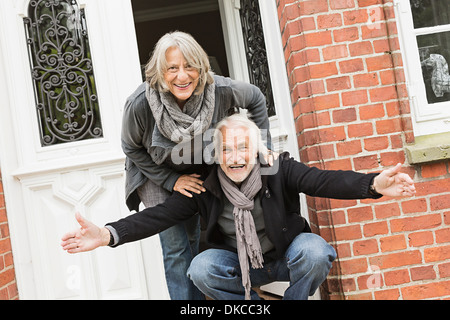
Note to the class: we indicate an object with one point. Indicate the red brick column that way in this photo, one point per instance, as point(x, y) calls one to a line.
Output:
point(351, 111)
point(8, 287)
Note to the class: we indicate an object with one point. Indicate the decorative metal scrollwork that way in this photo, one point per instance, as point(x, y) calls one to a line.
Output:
point(258, 66)
point(61, 68)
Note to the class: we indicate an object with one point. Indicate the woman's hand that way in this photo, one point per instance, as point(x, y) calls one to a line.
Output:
point(270, 156)
point(87, 238)
point(393, 183)
point(189, 183)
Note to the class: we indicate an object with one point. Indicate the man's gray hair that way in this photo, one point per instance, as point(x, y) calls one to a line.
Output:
point(192, 52)
point(239, 120)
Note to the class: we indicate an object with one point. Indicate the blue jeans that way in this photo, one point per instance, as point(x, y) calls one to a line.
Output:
point(179, 246)
point(305, 265)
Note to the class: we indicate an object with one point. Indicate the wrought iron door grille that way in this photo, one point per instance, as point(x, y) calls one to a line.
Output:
point(255, 46)
point(61, 68)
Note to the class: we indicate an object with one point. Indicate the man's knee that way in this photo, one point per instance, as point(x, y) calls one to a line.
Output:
point(196, 271)
point(320, 251)
point(313, 250)
point(209, 265)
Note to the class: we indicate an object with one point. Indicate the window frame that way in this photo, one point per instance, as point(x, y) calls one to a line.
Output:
point(427, 119)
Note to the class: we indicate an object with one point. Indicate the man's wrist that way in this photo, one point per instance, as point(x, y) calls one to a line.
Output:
point(373, 187)
point(106, 236)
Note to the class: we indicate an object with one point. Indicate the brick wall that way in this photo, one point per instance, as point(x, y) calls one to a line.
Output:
point(8, 287)
point(351, 111)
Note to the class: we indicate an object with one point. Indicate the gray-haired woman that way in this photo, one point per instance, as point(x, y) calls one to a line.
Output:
point(180, 99)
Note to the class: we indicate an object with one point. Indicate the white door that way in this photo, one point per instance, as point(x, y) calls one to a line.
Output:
point(282, 126)
point(60, 145)
point(46, 183)
point(281, 123)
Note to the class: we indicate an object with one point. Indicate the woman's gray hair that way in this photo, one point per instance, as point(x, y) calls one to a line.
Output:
point(239, 120)
point(192, 52)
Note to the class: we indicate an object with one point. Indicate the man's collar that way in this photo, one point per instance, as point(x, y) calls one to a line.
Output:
point(212, 182)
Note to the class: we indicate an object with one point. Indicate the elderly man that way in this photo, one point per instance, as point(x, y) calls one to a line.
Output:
point(254, 227)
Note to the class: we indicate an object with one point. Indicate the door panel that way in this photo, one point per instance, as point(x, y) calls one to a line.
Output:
point(46, 185)
point(102, 274)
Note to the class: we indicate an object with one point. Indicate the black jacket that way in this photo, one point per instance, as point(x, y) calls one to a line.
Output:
point(279, 200)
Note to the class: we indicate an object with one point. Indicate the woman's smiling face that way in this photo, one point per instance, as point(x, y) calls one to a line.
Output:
point(180, 77)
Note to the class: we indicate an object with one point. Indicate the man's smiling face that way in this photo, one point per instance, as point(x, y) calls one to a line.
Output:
point(237, 155)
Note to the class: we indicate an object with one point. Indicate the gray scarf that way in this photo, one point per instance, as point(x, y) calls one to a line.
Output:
point(176, 124)
point(248, 246)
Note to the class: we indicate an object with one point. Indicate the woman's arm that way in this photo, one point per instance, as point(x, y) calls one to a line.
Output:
point(250, 97)
point(137, 123)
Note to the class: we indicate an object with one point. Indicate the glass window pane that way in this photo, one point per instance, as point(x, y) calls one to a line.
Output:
point(434, 51)
point(62, 72)
point(429, 13)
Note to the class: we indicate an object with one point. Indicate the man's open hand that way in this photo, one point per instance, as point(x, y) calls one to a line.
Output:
point(393, 183)
point(86, 238)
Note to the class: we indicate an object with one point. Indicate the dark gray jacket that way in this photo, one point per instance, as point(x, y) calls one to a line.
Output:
point(139, 134)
